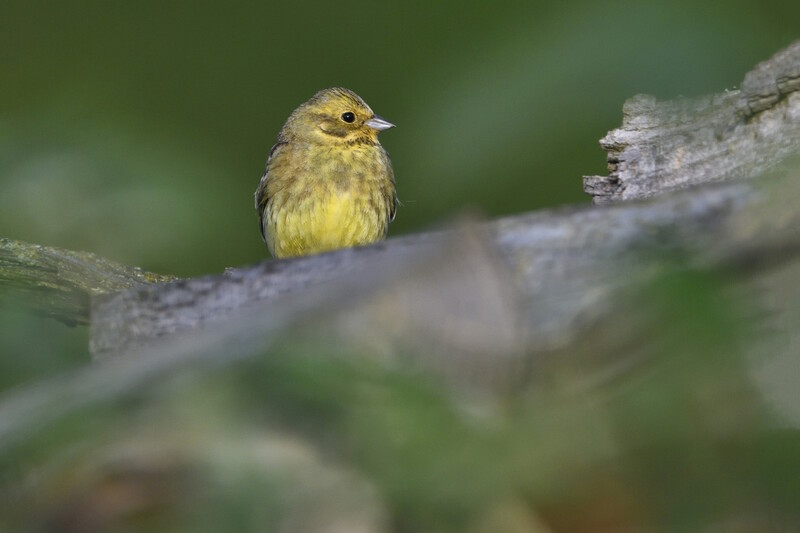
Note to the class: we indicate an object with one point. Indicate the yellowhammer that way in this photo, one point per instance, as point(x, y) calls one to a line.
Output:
point(328, 182)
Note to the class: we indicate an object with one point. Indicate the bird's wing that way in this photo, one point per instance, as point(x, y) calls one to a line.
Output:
point(262, 199)
point(393, 206)
point(394, 202)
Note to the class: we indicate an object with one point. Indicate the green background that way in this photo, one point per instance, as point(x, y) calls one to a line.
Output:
point(139, 130)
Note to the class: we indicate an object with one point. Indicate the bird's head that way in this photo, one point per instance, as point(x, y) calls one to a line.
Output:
point(335, 116)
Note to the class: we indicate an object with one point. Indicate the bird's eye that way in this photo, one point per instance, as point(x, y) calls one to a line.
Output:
point(348, 117)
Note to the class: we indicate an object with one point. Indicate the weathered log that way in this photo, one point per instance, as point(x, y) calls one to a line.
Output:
point(665, 146)
point(59, 283)
point(450, 280)
point(559, 264)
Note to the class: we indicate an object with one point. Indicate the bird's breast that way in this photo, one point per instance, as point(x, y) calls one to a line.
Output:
point(336, 199)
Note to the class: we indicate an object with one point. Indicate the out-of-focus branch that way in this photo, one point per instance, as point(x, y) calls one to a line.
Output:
point(553, 269)
point(475, 304)
point(60, 283)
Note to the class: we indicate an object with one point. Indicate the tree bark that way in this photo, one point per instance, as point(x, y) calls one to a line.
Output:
point(59, 283)
point(665, 146)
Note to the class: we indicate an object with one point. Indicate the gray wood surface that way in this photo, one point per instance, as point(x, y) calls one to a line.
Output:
point(60, 283)
point(559, 265)
point(670, 145)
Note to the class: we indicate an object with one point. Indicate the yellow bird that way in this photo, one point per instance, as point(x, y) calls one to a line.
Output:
point(328, 182)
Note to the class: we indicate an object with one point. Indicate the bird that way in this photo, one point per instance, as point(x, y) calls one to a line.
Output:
point(328, 182)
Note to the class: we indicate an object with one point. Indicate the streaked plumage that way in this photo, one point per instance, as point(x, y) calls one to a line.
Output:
point(328, 182)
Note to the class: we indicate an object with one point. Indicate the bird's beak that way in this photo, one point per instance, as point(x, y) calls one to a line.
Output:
point(379, 123)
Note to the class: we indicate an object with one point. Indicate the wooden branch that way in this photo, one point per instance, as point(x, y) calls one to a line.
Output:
point(60, 283)
point(664, 146)
point(443, 291)
point(557, 267)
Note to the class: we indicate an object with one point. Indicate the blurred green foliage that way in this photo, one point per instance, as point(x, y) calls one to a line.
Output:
point(314, 437)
